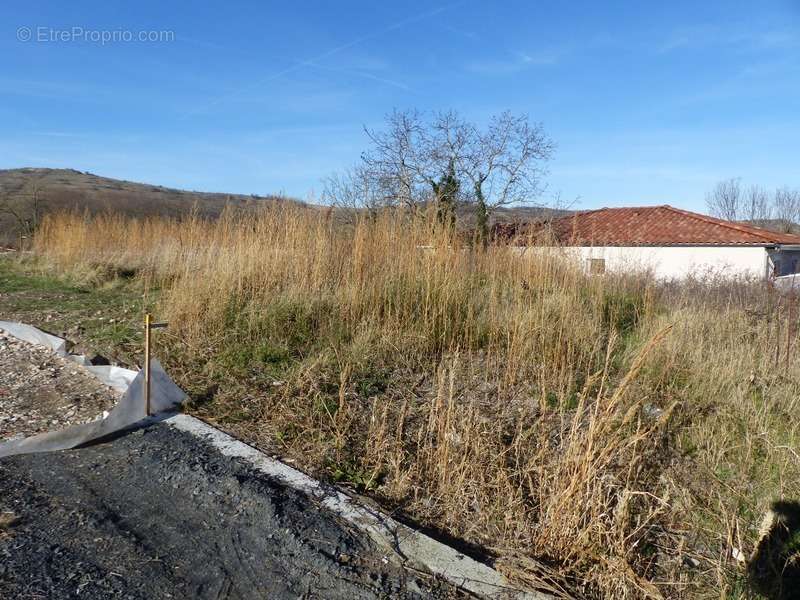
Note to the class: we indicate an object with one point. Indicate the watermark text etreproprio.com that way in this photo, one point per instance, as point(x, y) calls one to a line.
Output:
point(42, 34)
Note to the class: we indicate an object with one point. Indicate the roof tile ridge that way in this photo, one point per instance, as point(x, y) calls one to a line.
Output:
point(752, 230)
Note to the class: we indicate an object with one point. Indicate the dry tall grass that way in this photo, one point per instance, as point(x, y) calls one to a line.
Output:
point(602, 436)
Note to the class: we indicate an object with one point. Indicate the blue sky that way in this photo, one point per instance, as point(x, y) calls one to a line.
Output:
point(648, 102)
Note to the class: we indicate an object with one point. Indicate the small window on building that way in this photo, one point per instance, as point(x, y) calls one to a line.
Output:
point(596, 266)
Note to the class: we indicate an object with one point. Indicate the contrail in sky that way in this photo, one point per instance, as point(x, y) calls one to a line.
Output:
point(310, 61)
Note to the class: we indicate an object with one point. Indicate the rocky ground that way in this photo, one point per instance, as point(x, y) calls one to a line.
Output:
point(40, 391)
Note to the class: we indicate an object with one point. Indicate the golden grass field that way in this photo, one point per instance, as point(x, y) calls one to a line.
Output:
point(607, 437)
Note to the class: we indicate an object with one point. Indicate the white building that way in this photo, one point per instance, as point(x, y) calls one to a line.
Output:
point(669, 243)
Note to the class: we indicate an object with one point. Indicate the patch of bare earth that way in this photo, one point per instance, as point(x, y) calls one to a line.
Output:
point(41, 391)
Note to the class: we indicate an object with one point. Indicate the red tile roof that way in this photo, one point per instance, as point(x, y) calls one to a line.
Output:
point(653, 226)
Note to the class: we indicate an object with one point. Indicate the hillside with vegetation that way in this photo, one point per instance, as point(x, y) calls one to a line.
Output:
point(27, 194)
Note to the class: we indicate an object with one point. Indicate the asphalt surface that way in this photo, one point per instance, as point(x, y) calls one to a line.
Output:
point(159, 513)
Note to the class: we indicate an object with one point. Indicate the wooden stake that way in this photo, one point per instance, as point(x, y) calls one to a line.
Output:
point(790, 302)
point(147, 328)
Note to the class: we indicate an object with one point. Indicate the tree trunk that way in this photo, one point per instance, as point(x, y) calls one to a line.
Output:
point(445, 193)
point(481, 218)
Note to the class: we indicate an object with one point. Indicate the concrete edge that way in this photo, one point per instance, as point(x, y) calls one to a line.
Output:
point(408, 545)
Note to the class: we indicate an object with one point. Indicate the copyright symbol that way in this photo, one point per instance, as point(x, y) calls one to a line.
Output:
point(24, 34)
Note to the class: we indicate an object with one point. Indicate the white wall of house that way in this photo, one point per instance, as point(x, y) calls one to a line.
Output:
point(669, 262)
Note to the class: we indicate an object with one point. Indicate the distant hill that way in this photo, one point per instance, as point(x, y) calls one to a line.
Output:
point(27, 194)
point(526, 214)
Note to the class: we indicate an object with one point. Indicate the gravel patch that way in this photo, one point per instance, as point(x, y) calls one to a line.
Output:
point(41, 391)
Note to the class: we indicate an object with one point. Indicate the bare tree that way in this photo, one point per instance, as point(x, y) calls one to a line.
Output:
point(726, 199)
point(448, 145)
point(24, 208)
point(504, 165)
point(757, 205)
point(401, 160)
point(778, 211)
point(17, 210)
point(353, 191)
point(787, 207)
point(416, 160)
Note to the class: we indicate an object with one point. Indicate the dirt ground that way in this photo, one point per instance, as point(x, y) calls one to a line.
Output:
point(40, 391)
point(161, 514)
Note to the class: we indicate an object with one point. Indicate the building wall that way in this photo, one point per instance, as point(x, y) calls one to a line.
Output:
point(668, 262)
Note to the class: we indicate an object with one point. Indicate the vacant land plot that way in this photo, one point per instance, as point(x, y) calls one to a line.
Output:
point(626, 435)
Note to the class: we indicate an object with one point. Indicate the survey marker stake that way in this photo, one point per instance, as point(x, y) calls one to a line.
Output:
point(148, 327)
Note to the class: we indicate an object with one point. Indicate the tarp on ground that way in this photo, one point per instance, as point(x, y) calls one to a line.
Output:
point(164, 396)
